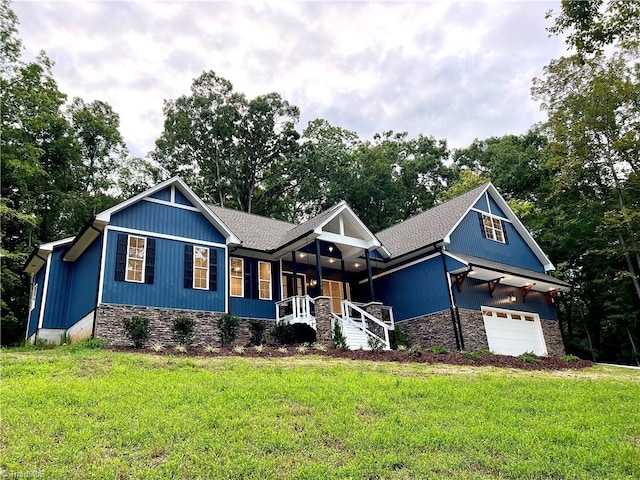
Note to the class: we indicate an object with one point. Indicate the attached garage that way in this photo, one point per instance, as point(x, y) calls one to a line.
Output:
point(512, 333)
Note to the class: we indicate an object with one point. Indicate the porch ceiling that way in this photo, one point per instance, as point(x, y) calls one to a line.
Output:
point(351, 264)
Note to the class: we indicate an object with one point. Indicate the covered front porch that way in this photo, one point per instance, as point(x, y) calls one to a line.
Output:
point(328, 272)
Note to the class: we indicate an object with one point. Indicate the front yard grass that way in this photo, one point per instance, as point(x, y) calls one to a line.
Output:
point(101, 414)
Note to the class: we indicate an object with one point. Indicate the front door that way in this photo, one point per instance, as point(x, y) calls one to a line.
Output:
point(333, 289)
point(287, 285)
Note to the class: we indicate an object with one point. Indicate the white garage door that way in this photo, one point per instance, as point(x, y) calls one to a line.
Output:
point(513, 333)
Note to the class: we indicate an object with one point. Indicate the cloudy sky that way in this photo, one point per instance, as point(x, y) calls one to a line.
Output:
point(453, 70)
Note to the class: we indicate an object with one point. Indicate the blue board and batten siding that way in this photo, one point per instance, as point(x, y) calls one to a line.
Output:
point(468, 238)
point(474, 294)
point(71, 289)
point(34, 314)
point(167, 220)
point(168, 289)
point(251, 306)
point(416, 290)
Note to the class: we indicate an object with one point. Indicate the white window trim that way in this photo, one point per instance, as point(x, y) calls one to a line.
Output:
point(144, 260)
point(194, 268)
point(270, 280)
point(231, 276)
point(493, 229)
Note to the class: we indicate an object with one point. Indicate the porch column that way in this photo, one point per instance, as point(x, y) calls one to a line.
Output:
point(319, 269)
point(367, 256)
point(344, 280)
point(294, 267)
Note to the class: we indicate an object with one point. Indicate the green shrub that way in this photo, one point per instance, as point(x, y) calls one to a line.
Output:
point(257, 328)
point(238, 349)
point(137, 329)
point(530, 357)
point(339, 340)
point(65, 338)
point(485, 351)
point(283, 334)
point(438, 349)
point(228, 325)
point(472, 355)
point(259, 348)
point(397, 338)
point(43, 344)
point(375, 344)
point(415, 350)
point(88, 344)
point(570, 358)
point(157, 347)
point(319, 346)
point(180, 349)
point(302, 348)
point(182, 328)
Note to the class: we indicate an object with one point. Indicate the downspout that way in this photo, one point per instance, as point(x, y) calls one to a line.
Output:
point(455, 317)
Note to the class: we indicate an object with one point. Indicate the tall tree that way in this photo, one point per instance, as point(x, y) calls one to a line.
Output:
point(102, 149)
point(234, 151)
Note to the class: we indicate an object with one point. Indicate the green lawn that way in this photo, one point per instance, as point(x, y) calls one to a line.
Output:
point(98, 414)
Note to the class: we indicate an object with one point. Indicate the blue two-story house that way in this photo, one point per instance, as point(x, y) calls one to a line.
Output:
point(465, 274)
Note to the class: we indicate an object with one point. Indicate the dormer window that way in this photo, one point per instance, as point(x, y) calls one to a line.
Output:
point(493, 228)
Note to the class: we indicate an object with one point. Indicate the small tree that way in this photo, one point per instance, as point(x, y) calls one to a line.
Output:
point(257, 328)
point(228, 325)
point(137, 329)
point(339, 340)
point(182, 328)
point(398, 338)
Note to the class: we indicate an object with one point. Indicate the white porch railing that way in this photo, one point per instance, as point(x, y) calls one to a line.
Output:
point(357, 316)
point(296, 309)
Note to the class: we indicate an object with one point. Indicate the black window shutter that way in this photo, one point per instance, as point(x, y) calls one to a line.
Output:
point(274, 284)
point(484, 233)
point(121, 257)
point(150, 261)
point(504, 231)
point(213, 269)
point(255, 279)
point(248, 291)
point(188, 266)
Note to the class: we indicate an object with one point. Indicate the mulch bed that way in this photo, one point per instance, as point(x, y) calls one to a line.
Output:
point(451, 358)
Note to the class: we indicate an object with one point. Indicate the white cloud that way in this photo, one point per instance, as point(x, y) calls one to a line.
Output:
point(452, 70)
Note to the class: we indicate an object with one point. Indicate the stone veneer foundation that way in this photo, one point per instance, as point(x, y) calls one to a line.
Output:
point(437, 329)
point(429, 330)
point(110, 326)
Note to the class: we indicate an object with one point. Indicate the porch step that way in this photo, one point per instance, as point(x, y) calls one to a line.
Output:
point(356, 338)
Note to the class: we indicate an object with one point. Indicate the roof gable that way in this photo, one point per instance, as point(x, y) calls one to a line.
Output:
point(429, 227)
point(438, 223)
point(176, 184)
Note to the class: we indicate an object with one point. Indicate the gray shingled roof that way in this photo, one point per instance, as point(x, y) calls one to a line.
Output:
point(255, 231)
point(428, 227)
point(262, 233)
point(502, 267)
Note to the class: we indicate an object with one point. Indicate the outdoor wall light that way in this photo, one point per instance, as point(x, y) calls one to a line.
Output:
point(356, 264)
point(512, 298)
point(313, 282)
point(330, 248)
